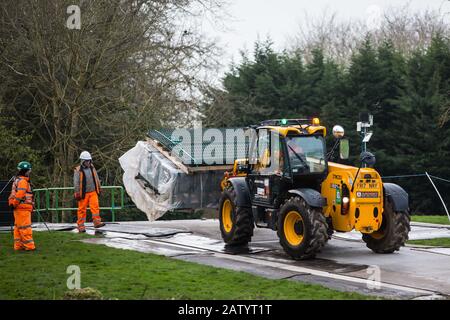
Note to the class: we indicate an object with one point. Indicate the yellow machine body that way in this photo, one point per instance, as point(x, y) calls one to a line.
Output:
point(365, 204)
point(305, 206)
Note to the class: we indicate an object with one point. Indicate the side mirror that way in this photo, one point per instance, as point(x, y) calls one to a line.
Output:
point(338, 132)
point(344, 149)
point(368, 158)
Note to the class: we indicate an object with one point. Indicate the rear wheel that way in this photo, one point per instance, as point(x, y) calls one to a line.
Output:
point(236, 222)
point(302, 229)
point(393, 232)
point(330, 229)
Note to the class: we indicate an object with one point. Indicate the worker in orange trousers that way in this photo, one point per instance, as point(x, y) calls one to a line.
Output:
point(87, 189)
point(21, 199)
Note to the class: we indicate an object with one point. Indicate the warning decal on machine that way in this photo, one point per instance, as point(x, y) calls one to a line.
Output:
point(367, 194)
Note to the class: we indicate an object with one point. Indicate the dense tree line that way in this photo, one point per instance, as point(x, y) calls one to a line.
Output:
point(408, 94)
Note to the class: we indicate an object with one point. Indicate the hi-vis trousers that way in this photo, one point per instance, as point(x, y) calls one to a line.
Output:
point(23, 234)
point(91, 199)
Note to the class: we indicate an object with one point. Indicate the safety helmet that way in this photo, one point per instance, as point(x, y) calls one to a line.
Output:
point(24, 165)
point(85, 156)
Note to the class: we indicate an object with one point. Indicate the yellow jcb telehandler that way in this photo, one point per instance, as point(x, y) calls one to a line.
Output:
point(287, 184)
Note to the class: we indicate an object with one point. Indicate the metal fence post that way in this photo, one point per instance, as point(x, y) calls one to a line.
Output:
point(121, 197)
point(439, 195)
point(38, 200)
point(113, 214)
point(56, 205)
point(47, 202)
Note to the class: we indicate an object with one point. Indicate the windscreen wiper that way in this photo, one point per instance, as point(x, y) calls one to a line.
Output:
point(299, 157)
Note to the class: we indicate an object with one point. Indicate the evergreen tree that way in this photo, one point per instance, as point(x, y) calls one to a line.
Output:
point(407, 96)
point(425, 144)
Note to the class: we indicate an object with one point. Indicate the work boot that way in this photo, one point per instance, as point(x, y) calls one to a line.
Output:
point(99, 225)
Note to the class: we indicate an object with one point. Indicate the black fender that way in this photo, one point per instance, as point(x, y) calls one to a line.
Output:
point(242, 191)
point(397, 196)
point(312, 197)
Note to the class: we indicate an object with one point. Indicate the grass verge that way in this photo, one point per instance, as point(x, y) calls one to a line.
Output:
point(431, 219)
point(125, 274)
point(439, 242)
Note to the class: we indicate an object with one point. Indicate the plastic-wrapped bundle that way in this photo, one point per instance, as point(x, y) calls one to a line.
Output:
point(156, 185)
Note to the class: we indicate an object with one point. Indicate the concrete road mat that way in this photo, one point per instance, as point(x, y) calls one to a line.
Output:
point(200, 242)
point(143, 246)
point(41, 227)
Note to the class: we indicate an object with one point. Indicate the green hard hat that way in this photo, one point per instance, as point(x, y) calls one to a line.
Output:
point(24, 165)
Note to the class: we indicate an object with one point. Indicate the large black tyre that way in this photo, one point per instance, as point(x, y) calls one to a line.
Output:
point(330, 230)
point(302, 229)
point(236, 222)
point(393, 232)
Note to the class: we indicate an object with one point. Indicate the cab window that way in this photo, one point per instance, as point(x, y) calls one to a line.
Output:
point(306, 154)
point(267, 153)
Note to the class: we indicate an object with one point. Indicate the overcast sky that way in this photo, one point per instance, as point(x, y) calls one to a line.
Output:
point(280, 18)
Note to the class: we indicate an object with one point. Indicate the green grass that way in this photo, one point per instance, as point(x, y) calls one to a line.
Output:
point(440, 242)
point(431, 219)
point(125, 274)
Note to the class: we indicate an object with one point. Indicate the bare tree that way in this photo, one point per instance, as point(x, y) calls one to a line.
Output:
point(133, 64)
point(338, 39)
point(408, 31)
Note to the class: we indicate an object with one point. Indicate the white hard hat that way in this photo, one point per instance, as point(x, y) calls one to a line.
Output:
point(85, 156)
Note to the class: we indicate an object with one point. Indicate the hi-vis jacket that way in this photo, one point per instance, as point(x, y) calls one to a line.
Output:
point(21, 193)
point(79, 179)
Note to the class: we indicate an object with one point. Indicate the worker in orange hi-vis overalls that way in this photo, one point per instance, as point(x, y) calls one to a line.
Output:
point(21, 199)
point(87, 190)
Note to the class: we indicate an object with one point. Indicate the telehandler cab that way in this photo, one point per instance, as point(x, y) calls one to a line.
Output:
point(287, 184)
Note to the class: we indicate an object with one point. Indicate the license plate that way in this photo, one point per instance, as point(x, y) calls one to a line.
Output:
point(365, 185)
point(367, 194)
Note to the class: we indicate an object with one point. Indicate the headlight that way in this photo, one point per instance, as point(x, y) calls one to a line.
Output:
point(345, 200)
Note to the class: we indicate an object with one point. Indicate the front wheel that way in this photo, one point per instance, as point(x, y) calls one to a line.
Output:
point(393, 232)
point(302, 229)
point(236, 223)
